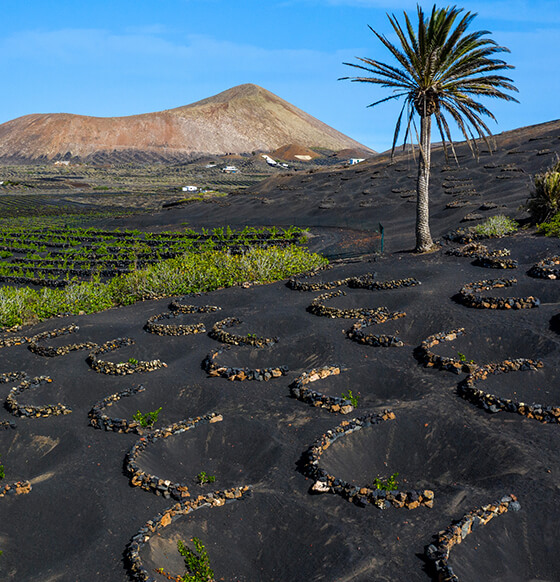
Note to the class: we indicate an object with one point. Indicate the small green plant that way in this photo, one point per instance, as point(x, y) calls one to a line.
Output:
point(252, 336)
point(389, 484)
point(352, 397)
point(148, 419)
point(499, 225)
point(550, 228)
point(544, 202)
point(133, 361)
point(197, 563)
point(2, 472)
point(203, 478)
point(463, 358)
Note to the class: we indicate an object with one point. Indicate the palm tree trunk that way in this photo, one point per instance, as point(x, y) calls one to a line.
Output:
point(423, 237)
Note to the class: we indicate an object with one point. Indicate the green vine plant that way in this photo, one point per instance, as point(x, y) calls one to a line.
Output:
point(2, 472)
point(389, 484)
point(197, 564)
point(352, 397)
point(202, 478)
point(148, 419)
point(463, 358)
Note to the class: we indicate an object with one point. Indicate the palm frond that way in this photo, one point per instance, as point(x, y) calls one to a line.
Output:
point(441, 68)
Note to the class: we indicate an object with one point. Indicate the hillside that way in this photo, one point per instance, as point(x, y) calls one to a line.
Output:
point(472, 393)
point(379, 190)
point(242, 119)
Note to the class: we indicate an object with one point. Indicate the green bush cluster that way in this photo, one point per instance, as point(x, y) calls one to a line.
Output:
point(202, 478)
point(544, 202)
point(389, 484)
point(147, 419)
point(496, 226)
point(197, 563)
point(551, 227)
point(189, 273)
point(352, 397)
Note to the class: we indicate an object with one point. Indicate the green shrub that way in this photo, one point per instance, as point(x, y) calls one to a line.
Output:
point(2, 472)
point(203, 478)
point(189, 273)
point(545, 198)
point(389, 484)
point(496, 226)
point(197, 563)
point(550, 228)
point(352, 397)
point(148, 419)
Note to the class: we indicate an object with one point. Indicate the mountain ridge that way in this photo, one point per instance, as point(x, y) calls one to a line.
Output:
point(239, 120)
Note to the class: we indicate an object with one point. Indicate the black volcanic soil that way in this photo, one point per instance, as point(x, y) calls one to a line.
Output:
point(82, 512)
point(358, 198)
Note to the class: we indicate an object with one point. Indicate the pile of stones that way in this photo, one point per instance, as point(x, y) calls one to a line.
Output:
point(494, 262)
point(468, 298)
point(358, 334)
point(367, 282)
point(184, 308)
point(98, 418)
point(491, 403)
point(430, 360)
point(120, 368)
point(162, 520)
point(298, 285)
point(466, 235)
point(473, 249)
point(153, 483)
point(483, 257)
point(19, 340)
point(360, 496)
point(457, 204)
point(231, 373)
point(153, 325)
point(52, 352)
point(17, 488)
point(299, 390)
point(29, 410)
point(318, 308)
point(546, 269)
point(12, 376)
point(438, 552)
point(220, 334)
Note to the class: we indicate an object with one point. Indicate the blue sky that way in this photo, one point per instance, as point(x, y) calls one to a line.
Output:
point(122, 57)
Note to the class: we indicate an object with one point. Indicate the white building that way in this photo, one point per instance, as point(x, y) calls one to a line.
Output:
point(269, 160)
point(354, 161)
point(230, 170)
point(190, 188)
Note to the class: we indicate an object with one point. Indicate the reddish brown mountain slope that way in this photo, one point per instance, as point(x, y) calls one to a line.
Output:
point(242, 119)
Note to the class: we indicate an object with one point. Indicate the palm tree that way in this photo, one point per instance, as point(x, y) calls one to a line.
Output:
point(440, 71)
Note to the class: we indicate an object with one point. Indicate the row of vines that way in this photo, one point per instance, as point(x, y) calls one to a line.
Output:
point(55, 257)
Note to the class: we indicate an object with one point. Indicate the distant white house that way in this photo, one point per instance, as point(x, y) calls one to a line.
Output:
point(210, 165)
point(269, 160)
point(354, 161)
point(62, 163)
point(190, 188)
point(230, 170)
